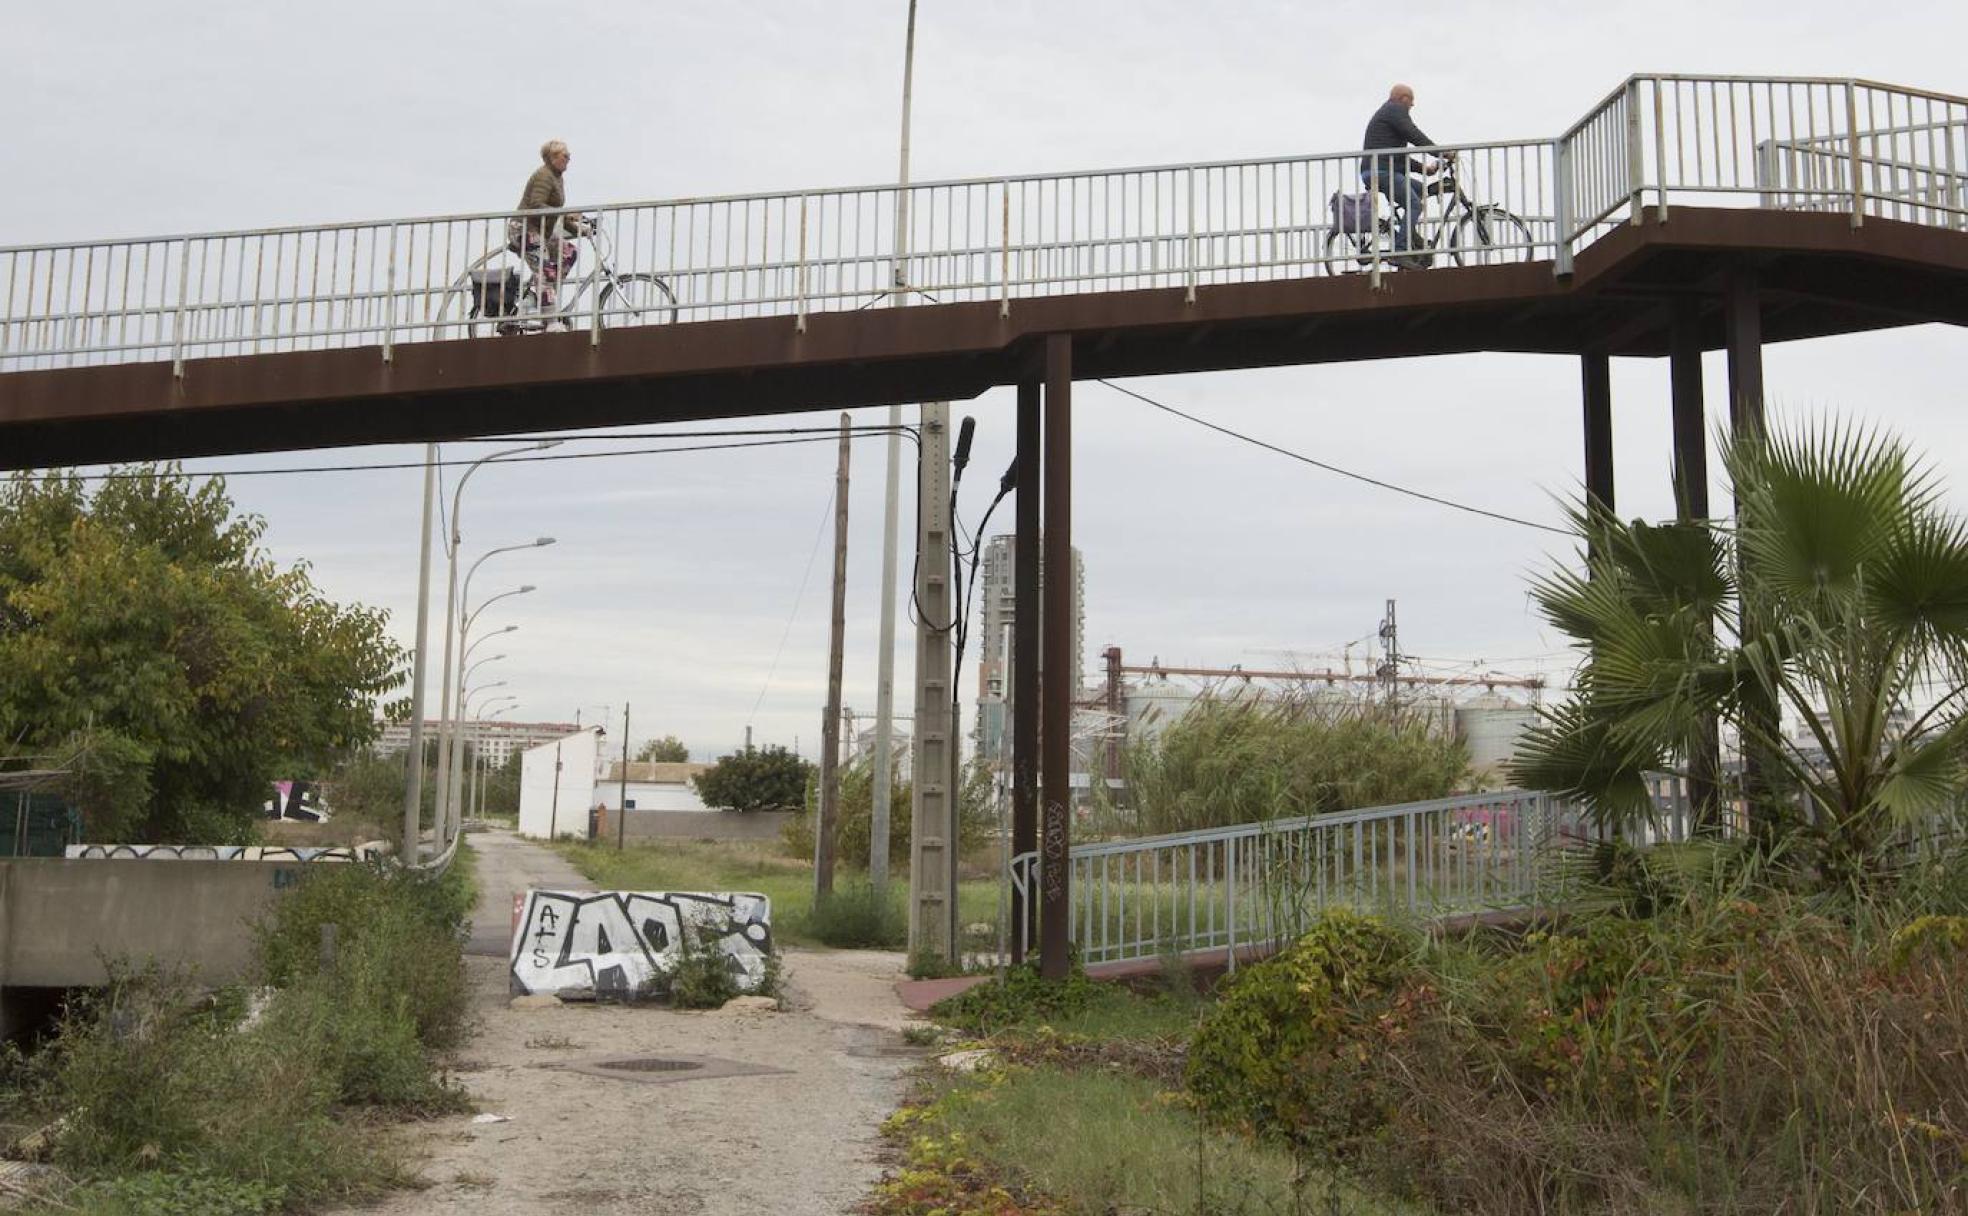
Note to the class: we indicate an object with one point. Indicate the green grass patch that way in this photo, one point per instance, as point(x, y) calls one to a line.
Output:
point(698, 865)
point(1020, 1001)
point(1039, 1140)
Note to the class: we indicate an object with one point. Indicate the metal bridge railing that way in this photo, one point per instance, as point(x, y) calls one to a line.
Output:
point(1778, 143)
point(1795, 143)
point(1251, 885)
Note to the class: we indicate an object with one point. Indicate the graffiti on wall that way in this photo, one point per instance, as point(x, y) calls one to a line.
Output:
point(221, 852)
point(625, 943)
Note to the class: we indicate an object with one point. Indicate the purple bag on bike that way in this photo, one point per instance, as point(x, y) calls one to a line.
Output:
point(1353, 212)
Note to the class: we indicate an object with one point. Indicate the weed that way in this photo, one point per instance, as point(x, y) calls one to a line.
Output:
point(1020, 996)
point(152, 1081)
point(179, 1192)
point(926, 964)
point(1027, 1140)
point(921, 1036)
point(704, 976)
point(400, 930)
point(858, 916)
point(551, 1042)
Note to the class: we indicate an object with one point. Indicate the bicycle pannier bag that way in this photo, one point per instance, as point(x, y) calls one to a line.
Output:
point(1353, 212)
point(495, 293)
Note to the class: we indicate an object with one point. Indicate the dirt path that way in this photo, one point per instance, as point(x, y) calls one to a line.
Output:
point(798, 1139)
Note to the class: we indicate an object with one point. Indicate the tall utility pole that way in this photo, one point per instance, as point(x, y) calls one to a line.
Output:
point(1059, 667)
point(885, 653)
point(1389, 670)
point(413, 789)
point(823, 836)
point(932, 844)
point(1025, 667)
point(622, 801)
point(1115, 711)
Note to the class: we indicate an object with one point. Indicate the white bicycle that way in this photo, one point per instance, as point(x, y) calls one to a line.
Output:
point(506, 296)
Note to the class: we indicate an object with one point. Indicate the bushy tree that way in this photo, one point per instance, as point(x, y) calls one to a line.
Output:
point(854, 830)
point(667, 750)
point(756, 779)
point(144, 633)
point(1839, 597)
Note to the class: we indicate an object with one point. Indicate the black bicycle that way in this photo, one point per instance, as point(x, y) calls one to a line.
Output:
point(1470, 233)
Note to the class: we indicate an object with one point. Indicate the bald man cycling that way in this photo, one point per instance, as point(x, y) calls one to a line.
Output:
point(1388, 131)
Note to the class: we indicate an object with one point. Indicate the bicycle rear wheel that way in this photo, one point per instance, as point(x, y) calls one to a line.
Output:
point(1347, 252)
point(638, 299)
point(1487, 236)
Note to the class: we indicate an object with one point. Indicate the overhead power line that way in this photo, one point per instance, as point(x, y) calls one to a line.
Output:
point(1437, 499)
point(776, 438)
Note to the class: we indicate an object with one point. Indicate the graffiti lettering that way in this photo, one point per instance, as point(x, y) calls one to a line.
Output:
point(625, 943)
point(220, 852)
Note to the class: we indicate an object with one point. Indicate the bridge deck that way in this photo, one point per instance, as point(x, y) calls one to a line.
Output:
point(1819, 276)
point(1847, 201)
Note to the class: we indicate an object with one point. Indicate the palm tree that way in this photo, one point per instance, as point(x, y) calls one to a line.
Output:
point(1838, 599)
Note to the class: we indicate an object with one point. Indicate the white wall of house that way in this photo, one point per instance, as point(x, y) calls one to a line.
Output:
point(651, 795)
point(558, 804)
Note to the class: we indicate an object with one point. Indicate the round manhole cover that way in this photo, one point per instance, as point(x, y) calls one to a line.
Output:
point(651, 1064)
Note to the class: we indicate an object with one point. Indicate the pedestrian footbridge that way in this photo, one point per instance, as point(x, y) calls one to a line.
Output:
point(1828, 205)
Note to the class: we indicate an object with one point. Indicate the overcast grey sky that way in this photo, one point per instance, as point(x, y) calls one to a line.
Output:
point(676, 577)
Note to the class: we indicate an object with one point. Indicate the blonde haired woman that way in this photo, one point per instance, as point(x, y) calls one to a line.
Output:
point(543, 240)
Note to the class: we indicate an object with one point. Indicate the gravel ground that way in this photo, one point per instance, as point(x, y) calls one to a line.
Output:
point(800, 1139)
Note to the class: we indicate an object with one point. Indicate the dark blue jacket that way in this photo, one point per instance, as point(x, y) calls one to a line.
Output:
point(1390, 127)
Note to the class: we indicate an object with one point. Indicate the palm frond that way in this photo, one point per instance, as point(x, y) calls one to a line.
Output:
point(1918, 585)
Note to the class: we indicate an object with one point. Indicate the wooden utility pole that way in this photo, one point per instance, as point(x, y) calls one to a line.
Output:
point(823, 835)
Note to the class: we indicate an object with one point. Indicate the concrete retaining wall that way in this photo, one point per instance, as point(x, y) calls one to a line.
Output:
point(57, 917)
point(646, 826)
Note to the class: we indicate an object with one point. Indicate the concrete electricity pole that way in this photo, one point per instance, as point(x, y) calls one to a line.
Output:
point(413, 789)
point(933, 845)
point(885, 652)
point(823, 835)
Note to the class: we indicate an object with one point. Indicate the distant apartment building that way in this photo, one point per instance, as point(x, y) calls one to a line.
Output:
point(494, 739)
point(998, 613)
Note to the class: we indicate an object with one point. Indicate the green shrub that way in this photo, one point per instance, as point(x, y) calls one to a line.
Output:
point(856, 916)
point(854, 829)
point(152, 1076)
point(403, 930)
point(1257, 1057)
point(704, 976)
point(1739, 1051)
point(1019, 997)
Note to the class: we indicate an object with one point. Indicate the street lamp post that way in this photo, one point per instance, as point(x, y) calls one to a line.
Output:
point(478, 742)
point(481, 770)
point(448, 757)
point(451, 614)
point(449, 793)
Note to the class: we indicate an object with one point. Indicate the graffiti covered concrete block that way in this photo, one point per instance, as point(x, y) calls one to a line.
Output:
point(624, 944)
point(224, 852)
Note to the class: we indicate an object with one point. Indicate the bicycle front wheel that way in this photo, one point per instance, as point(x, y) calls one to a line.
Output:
point(638, 299)
point(1488, 236)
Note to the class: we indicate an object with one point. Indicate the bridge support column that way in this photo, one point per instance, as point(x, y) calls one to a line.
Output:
point(1060, 666)
point(1743, 323)
point(1691, 506)
point(1025, 662)
point(1596, 369)
point(1742, 317)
